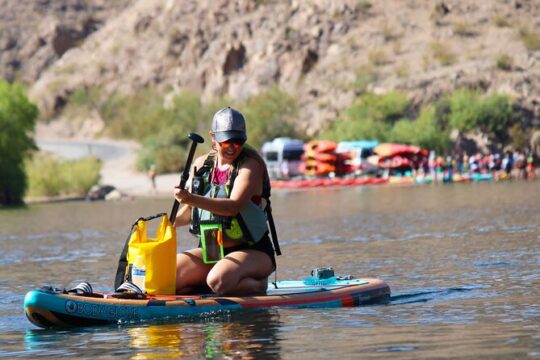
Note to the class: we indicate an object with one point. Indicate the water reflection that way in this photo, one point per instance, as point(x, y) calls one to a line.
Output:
point(251, 335)
point(157, 342)
point(244, 336)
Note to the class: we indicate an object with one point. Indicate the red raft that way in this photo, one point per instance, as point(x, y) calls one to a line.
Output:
point(308, 183)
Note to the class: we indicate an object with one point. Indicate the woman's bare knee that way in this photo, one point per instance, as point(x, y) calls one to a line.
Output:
point(222, 282)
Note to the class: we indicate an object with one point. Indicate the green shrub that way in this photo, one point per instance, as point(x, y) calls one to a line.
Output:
point(388, 32)
point(442, 53)
point(135, 116)
point(48, 176)
point(369, 117)
point(464, 29)
point(378, 57)
point(402, 70)
point(82, 102)
point(388, 107)
point(495, 114)
point(468, 110)
point(269, 115)
point(429, 132)
point(44, 176)
point(530, 38)
point(17, 120)
point(85, 97)
point(167, 147)
point(348, 129)
point(424, 131)
point(501, 21)
point(463, 109)
point(365, 74)
point(162, 130)
point(505, 62)
point(403, 131)
point(81, 175)
point(363, 6)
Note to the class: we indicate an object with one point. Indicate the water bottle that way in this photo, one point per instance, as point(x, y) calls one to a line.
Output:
point(138, 273)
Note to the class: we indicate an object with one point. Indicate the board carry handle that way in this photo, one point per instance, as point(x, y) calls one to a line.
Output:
point(195, 139)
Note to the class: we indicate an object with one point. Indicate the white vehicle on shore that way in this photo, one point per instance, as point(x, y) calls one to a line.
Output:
point(283, 157)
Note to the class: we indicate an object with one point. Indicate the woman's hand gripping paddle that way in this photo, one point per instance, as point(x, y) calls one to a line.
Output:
point(196, 139)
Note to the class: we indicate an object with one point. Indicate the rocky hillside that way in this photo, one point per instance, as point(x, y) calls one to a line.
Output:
point(324, 52)
point(35, 34)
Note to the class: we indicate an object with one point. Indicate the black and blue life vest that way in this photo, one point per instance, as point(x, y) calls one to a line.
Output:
point(251, 224)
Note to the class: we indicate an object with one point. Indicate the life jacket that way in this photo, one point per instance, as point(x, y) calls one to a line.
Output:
point(251, 224)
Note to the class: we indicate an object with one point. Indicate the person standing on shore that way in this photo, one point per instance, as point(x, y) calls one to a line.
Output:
point(152, 175)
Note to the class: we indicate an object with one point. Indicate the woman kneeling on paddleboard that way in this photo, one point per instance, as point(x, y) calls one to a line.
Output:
point(227, 207)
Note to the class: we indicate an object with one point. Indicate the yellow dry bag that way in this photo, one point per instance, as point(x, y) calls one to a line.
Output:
point(155, 258)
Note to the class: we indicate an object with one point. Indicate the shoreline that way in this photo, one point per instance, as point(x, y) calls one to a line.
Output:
point(118, 170)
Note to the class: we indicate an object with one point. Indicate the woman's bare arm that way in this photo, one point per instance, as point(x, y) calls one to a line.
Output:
point(247, 184)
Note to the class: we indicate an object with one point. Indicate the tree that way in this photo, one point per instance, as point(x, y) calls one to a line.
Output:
point(371, 116)
point(17, 120)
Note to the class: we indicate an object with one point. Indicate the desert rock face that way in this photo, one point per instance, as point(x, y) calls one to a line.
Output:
point(323, 52)
point(35, 34)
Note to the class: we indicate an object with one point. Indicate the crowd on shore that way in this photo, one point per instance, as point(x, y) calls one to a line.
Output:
point(510, 165)
point(321, 163)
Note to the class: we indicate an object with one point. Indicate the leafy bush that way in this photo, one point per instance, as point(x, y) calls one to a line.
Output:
point(464, 29)
point(48, 176)
point(45, 176)
point(269, 115)
point(378, 57)
point(495, 114)
point(135, 116)
point(365, 74)
point(17, 120)
point(442, 53)
point(463, 109)
point(81, 175)
point(161, 129)
point(505, 62)
point(530, 38)
point(468, 110)
point(388, 107)
point(501, 21)
point(425, 131)
point(370, 117)
point(349, 129)
point(161, 125)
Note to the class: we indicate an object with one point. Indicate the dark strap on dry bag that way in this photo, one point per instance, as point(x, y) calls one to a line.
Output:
point(121, 271)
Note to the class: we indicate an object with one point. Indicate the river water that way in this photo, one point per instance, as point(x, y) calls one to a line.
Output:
point(462, 260)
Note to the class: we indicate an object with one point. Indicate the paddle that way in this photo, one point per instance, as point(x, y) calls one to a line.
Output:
point(196, 139)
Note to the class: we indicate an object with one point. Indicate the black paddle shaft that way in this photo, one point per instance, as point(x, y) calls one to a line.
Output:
point(195, 139)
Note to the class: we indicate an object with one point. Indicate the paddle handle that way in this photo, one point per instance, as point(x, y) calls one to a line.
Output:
point(195, 139)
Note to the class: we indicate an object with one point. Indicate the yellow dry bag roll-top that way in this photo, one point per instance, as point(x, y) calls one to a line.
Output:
point(158, 255)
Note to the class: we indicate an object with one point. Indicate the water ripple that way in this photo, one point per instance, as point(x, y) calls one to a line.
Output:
point(436, 294)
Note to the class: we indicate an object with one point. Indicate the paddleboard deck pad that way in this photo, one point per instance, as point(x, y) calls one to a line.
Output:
point(49, 307)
